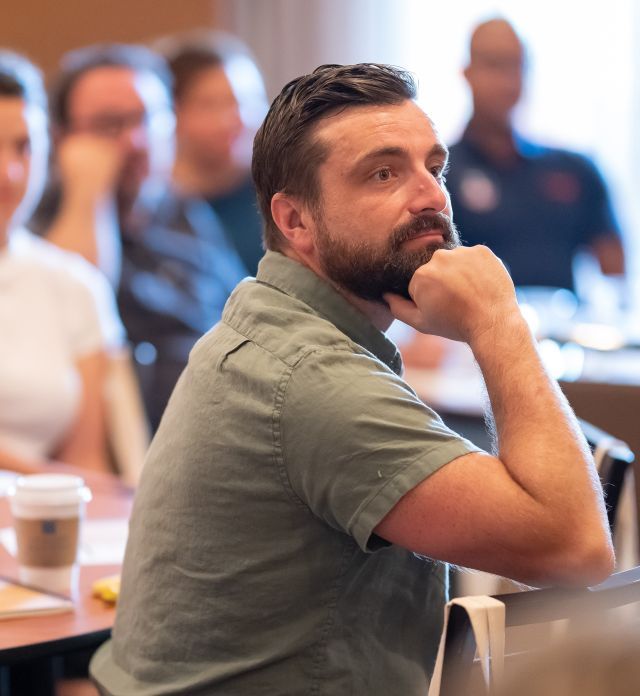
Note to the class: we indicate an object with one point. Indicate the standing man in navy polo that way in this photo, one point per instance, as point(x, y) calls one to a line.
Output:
point(533, 206)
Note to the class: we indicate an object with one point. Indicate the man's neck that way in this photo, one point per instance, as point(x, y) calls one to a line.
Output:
point(134, 214)
point(378, 313)
point(494, 138)
point(206, 179)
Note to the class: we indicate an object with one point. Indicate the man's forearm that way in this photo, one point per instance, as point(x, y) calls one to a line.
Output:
point(538, 437)
point(535, 512)
point(88, 168)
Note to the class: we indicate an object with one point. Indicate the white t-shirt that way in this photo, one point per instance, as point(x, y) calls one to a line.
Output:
point(54, 309)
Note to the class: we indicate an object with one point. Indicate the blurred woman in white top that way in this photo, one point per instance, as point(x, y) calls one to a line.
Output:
point(58, 321)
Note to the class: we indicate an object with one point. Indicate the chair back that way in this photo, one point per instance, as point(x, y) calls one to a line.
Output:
point(526, 609)
point(613, 458)
point(127, 427)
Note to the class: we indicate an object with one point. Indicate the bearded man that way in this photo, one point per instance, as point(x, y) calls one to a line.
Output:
point(299, 502)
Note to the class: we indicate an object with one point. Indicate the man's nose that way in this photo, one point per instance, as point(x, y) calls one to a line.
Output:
point(11, 169)
point(429, 194)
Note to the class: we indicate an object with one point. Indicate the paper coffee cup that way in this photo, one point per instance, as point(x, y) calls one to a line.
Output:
point(47, 511)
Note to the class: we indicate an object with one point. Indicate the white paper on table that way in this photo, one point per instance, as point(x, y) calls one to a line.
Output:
point(102, 542)
point(7, 479)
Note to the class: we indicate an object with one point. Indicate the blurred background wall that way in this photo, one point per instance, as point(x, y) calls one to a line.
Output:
point(45, 29)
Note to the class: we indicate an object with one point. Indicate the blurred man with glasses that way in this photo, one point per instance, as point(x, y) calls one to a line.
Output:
point(113, 203)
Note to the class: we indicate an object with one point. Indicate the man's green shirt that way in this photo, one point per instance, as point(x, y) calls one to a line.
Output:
point(252, 566)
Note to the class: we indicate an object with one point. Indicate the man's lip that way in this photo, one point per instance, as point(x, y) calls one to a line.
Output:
point(435, 233)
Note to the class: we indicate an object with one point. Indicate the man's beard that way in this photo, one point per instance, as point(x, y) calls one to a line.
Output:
point(370, 273)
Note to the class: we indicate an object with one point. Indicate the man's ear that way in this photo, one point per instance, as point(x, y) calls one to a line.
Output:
point(292, 220)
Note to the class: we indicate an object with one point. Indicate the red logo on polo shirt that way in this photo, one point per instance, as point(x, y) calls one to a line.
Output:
point(560, 187)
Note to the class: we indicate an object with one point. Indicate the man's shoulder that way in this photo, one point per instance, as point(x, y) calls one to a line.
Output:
point(186, 232)
point(555, 157)
point(280, 324)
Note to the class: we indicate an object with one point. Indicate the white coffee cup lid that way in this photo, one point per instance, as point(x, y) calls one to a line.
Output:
point(51, 489)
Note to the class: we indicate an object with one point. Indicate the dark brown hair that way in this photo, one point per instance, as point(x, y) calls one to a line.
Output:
point(20, 78)
point(285, 155)
point(81, 61)
point(189, 64)
point(190, 54)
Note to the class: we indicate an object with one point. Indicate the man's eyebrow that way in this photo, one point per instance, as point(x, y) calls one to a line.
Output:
point(438, 150)
point(378, 153)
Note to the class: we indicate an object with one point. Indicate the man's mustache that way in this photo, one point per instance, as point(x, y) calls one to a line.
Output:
point(425, 221)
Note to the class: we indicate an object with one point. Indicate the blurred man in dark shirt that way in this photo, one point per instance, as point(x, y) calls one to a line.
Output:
point(534, 206)
point(220, 101)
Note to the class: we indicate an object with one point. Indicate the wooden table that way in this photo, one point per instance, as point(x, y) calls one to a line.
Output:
point(39, 638)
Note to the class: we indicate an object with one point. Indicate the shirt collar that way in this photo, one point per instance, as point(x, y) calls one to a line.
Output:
point(524, 148)
point(298, 281)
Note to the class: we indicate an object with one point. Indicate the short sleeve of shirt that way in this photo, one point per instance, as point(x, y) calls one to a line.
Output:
point(355, 438)
point(83, 299)
point(598, 216)
point(91, 313)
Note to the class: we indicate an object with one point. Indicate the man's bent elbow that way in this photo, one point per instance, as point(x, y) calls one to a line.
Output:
point(587, 563)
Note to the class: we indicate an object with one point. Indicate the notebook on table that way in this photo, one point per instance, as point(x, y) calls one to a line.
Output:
point(18, 600)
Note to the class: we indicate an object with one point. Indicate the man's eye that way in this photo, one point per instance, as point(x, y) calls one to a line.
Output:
point(439, 172)
point(383, 174)
point(23, 147)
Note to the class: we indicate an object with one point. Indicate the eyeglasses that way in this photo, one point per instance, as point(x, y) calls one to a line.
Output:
point(502, 64)
point(112, 125)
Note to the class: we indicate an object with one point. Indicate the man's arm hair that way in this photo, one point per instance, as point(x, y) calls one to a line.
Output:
point(535, 512)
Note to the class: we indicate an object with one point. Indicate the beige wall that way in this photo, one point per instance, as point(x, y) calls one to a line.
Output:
point(45, 29)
